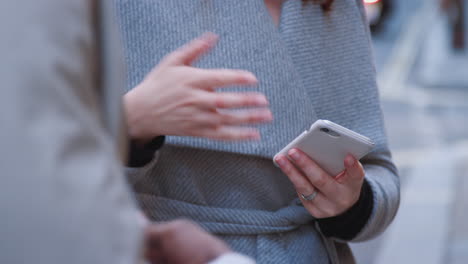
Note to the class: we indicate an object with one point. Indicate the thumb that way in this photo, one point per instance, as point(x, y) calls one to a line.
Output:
point(187, 54)
point(354, 169)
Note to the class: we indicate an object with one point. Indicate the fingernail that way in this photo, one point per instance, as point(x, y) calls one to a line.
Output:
point(267, 116)
point(294, 154)
point(251, 78)
point(261, 100)
point(210, 37)
point(280, 161)
point(349, 161)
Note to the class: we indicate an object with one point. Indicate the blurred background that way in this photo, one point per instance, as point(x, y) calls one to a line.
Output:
point(422, 63)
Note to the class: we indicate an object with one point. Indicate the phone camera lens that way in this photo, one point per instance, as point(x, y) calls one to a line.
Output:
point(330, 132)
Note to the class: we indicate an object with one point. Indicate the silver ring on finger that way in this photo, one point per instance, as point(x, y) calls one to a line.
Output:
point(309, 197)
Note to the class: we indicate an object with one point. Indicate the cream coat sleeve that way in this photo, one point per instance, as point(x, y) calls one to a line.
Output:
point(63, 198)
point(233, 258)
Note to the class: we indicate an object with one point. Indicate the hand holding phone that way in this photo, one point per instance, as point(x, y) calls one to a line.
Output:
point(313, 161)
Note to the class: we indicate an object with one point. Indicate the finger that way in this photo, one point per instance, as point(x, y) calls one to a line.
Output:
point(245, 117)
point(229, 125)
point(341, 177)
point(354, 170)
point(218, 78)
point(232, 100)
point(312, 208)
point(316, 175)
point(153, 243)
point(322, 207)
point(187, 54)
point(227, 133)
point(301, 184)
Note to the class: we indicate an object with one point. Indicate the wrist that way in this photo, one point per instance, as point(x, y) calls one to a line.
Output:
point(135, 119)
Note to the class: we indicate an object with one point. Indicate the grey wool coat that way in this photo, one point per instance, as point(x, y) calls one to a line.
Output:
point(316, 65)
point(63, 195)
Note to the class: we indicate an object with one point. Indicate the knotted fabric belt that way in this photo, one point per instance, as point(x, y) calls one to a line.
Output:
point(225, 221)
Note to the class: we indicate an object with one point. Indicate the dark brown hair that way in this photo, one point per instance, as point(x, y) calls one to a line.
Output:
point(326, 4)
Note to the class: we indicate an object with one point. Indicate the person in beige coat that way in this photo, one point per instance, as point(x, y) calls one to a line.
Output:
point(63, 196)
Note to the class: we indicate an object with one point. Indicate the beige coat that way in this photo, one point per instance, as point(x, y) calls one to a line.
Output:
point(63, 198)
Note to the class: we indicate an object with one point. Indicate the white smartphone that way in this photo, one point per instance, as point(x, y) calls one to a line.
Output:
point(328, 144)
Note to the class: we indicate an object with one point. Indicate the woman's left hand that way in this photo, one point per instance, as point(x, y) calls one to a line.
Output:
point(322, 194)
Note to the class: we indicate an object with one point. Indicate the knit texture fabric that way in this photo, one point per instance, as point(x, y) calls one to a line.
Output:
point(315, 65)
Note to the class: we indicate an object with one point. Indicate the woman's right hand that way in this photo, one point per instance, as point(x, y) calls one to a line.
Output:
point(178, 99)
point(181, 241)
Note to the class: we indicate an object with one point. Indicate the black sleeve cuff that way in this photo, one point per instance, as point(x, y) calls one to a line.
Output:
point(140, 155)
point(347, 225)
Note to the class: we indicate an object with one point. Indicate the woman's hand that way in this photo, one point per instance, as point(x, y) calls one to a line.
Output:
point(178, 99)
point(181, 241)
point(322, 194)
